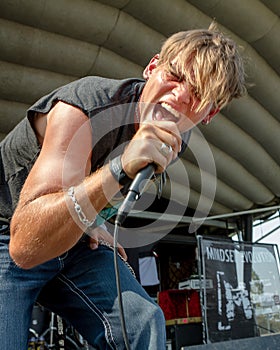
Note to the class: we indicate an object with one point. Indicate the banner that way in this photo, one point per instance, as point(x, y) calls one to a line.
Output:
point(243, 298)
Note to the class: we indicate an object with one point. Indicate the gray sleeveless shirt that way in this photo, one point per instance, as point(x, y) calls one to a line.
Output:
point(108, 103)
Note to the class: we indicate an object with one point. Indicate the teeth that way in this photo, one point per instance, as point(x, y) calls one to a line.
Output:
point(171, 110)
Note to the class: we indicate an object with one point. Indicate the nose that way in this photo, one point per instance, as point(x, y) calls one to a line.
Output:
point(181, 92)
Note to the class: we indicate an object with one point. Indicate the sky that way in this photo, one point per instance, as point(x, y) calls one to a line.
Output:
point(262, 229)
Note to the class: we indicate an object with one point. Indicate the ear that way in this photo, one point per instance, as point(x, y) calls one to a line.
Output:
point(150, 67)
point(210, 116)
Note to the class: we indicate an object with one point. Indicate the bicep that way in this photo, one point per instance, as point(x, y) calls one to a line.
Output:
point(66, 152)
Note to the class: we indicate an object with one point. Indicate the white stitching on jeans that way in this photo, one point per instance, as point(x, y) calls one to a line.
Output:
point(72, 286)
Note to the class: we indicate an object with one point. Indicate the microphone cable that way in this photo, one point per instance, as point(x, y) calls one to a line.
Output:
point(134, 193)
point(118, 284)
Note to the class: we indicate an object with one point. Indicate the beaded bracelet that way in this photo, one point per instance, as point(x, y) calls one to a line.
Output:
point(81, 215)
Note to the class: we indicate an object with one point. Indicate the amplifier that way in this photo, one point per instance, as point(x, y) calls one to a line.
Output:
point(184, 335)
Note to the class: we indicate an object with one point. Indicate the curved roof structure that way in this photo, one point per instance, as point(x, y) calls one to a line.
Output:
point(233, 164)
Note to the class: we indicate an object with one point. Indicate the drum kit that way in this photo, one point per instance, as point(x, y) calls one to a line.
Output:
point(49, 331)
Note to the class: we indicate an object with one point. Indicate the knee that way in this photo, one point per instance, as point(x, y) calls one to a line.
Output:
point(152, 335)
point(145, 322)
point(152, 316)
point(159, 314)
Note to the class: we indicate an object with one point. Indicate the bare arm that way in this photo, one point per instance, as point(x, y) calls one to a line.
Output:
point(45, 224)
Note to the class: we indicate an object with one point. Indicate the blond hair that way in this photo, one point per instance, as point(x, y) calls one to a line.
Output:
point(209, 62)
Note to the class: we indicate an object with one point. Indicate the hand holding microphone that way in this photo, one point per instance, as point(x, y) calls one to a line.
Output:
point(155, 142)
point(154, 155)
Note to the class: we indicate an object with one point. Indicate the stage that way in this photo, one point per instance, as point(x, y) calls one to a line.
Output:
point(269, 342)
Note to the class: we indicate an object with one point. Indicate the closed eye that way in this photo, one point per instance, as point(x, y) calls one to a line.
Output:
point(175, 75)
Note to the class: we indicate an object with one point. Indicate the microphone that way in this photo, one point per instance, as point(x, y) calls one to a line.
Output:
point(135, 191)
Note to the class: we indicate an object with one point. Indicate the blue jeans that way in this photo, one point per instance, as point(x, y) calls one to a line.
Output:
point(79, 286)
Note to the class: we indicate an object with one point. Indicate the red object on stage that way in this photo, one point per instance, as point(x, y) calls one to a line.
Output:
point(179, 303)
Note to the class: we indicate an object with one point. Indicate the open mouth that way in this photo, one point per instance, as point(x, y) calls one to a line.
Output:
point(164, 111)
